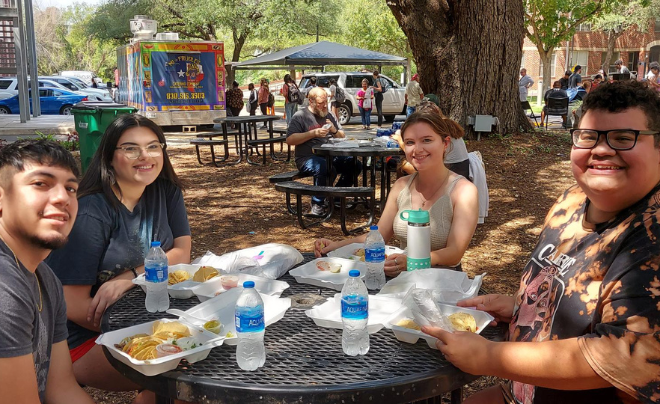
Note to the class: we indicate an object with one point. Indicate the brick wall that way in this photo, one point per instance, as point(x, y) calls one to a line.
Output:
point(594, 43)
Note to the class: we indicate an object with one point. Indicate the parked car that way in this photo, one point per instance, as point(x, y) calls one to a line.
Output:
point(351, 82)
point(9, 85)
point(53, 101)
point(94, 94)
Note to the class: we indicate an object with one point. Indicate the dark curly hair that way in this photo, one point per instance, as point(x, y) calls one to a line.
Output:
point(621, 95)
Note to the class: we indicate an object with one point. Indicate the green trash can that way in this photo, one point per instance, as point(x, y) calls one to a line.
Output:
point(91, 120)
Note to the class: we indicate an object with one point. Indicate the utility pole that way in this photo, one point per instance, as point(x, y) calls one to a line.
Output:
point(317, 32)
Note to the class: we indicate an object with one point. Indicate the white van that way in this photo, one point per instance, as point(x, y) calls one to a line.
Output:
point(83, 75)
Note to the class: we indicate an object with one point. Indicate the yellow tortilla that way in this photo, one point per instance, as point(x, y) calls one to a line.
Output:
point(205, 273)
point(178, 277)
point(462, 321)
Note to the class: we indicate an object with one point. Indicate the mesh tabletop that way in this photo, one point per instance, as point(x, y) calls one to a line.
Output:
point(304, 363)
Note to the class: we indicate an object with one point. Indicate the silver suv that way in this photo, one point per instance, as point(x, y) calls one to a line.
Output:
point(351, 82)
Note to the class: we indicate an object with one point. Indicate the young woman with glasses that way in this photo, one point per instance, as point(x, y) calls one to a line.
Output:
point(129, 197)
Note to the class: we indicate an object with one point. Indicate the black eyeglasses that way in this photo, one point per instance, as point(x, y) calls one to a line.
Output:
point(617, 139)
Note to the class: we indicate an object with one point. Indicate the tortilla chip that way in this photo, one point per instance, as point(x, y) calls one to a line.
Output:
point(462, 321)
point(178, 277)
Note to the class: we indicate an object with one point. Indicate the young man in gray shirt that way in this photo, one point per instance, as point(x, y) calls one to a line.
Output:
point(38, 205)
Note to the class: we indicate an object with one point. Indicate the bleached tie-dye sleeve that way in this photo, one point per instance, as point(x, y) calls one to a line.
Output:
point(624, 347)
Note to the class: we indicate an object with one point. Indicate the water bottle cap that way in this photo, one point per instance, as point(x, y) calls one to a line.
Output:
point(155, 243)
point(373, 227)
point(354, 273)
point(248, 284)
point(416, 216)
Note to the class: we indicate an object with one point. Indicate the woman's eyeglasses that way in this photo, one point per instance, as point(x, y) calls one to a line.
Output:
point(133, 152)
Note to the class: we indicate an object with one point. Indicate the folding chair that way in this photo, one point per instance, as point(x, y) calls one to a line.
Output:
point(525, 107)
point(556, 107)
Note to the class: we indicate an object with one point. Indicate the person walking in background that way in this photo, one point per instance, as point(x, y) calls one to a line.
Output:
point(414, 95)
point(524, 83)
point(234, 99)
point(378, 96)
point(334, 105)
point(575, 79)
point(564, 80)
point(264, 91)
point(290, 105)
point(365, 98)
point(253, 101)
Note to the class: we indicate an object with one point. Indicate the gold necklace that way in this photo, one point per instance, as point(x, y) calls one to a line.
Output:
point(41, 302)
point(434, 193)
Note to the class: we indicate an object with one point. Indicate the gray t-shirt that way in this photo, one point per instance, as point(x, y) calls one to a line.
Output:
point(24, 330)
point(304, 121)
point(574, 80)
point(106, 242)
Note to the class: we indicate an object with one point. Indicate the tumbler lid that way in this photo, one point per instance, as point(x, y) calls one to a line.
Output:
point(416, 216)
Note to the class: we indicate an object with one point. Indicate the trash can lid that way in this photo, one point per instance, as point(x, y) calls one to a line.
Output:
point(98, 105)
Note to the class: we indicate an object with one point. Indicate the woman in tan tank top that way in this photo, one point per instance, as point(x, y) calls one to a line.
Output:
point(450, 199)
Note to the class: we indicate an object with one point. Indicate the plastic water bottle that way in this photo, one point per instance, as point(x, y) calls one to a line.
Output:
point(374, 257)
point(155, 273)
point(250, 327)
point(354, 315)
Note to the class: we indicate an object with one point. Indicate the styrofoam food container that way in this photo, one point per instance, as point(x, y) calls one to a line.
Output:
point(223, 307)
point(157, 366)
point(348, 251)
point(181, 290)
point(265, 286)
point(310, 274)
point(411, 336)
point(328, 314)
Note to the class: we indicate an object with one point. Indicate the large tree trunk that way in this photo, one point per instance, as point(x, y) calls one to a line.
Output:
point(468, 53)
point(612, 36)
point(546, 58)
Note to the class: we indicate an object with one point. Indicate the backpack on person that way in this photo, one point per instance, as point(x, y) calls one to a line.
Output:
point(340, 95)
point(384, 84)
point(271, 100)
point(294, 95)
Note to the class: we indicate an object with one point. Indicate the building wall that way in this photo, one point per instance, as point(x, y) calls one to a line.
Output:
point(593, 45)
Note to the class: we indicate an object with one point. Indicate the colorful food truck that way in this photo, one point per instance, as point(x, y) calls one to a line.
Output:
point(173, 82)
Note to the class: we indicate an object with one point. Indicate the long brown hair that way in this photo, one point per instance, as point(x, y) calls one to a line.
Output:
point(438, 123)
point(100, 176)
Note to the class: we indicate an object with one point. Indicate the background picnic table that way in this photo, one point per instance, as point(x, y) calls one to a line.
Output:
point(525, 173)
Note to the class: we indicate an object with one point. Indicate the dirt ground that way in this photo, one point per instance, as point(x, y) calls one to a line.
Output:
point(233, 207)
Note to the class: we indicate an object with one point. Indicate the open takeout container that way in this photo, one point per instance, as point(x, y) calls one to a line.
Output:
point(349, 251)
point(223, 308)
point(309, 273)
point(181, 290)
point(214, 287)
point(448, 286)
point(207, 340)
point(412, 336)
point(328, 314)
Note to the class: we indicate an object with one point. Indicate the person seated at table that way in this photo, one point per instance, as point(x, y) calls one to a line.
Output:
point(583, 326)
point(129, 197)
point(450, 198)
point(38, 184)
point(308, 130)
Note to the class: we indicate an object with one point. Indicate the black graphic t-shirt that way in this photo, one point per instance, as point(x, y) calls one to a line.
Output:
point(600, 284)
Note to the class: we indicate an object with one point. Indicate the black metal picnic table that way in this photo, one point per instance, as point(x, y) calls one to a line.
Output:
point(376, 153)
point(304, 363)
point(247, 124)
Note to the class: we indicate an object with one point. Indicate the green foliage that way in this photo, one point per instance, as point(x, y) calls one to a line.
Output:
point(87, 36)
point(626, 15)
point(551, 22)
point(70, 142)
